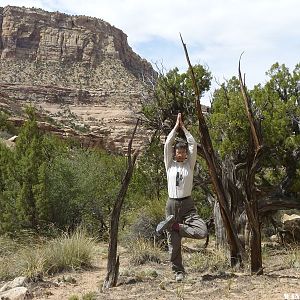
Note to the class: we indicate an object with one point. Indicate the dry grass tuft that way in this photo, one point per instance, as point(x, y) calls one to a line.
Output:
point(143, 251)
point(213, 260)
point(292, 257)
point(70, 251)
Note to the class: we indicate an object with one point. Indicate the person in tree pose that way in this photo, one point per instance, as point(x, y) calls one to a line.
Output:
point(182, 219)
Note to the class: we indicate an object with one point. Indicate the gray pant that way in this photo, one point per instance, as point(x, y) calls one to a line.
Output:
point(190, 225)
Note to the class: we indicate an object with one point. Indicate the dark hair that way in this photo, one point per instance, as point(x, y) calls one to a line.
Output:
point(180, 145)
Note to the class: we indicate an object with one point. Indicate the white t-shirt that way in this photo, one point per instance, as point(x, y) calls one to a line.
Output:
point(180, 174)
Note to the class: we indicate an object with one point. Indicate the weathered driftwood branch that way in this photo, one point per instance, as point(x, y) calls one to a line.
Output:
point(236, 248)
point(113, 260)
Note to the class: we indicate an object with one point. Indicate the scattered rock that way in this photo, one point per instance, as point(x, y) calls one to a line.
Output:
point(219, 275)
point(13, 138)
point(17, 293)
point(65, 279)
point(17, 282)
point(291, 227)
point(274, 238)
point(131, 280)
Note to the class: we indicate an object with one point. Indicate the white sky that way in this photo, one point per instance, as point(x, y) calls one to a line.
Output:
point(216, 32)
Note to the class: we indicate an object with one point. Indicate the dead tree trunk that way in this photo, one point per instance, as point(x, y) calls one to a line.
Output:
point(219, 227)
point(236, 249)
point(113, 260)
point(251, 204)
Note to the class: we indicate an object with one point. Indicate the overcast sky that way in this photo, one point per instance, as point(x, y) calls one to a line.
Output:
point(216, 31)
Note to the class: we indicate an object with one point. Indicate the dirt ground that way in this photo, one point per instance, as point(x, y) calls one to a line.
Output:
point(156, 281)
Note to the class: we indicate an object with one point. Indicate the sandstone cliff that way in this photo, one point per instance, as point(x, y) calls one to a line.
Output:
point(79, 70)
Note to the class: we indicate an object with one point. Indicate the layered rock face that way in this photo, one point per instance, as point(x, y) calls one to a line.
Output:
point(79, 70)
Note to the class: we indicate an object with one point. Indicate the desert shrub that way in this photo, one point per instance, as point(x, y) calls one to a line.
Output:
point(7, 246)
point(89, 296)
point(145, 220)
point(74, 297)
point(29, 262)
point(5, 271)
point(214, 260)
point(143, 251)
point(45, 181)
point(69, 251)
point(292, 258)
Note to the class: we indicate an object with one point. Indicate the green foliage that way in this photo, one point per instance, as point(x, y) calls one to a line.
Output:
point(276, 107)
point(278, 104)
point(228, 124)
point(82, 188)
point(203, 207)
point(173, 94)
point(144, 219)
point(5, 125)
point(45, 181)
point(149, 178)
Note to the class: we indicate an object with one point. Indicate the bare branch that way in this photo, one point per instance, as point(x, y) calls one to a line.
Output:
point(247, 100)
point(131, 140)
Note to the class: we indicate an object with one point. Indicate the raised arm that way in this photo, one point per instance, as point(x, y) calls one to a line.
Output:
point(192, 147)
point(168, 149)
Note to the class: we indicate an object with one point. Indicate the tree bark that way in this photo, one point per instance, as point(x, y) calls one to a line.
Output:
point(236, 249)
point(254, 155)
point(113, 260)
point(255, 252)
point(219, 227)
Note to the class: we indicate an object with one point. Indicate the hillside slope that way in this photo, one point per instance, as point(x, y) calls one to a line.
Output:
point(79, 71)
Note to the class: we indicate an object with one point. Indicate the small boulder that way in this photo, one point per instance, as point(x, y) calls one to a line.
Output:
point(291, 227)
point(274, 238)
point(17, 282)
point(17, 293)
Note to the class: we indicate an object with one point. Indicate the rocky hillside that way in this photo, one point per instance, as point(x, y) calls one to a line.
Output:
point(78, 70)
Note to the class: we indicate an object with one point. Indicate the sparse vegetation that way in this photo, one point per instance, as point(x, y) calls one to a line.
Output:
point(143, 251)
point(212, 260)
point(74, 297)
point(143, 274)
point(89, 296)
point(73, 251)
point(68, 252)
point(292, 258)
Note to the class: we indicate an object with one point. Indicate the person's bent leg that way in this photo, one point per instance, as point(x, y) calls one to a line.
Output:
point(193, 227)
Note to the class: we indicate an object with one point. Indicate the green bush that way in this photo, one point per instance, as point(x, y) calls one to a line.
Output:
point(144, 220)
